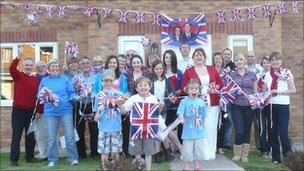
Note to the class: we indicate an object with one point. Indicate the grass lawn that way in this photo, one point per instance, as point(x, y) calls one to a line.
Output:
point(256, 162)
point(86, 164)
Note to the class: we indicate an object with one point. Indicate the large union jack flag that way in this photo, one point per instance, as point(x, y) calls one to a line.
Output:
point(198, 30)
point(144, 120)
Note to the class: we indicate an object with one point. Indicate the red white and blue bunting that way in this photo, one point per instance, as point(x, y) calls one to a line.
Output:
point(32, 12)
point(251, 13)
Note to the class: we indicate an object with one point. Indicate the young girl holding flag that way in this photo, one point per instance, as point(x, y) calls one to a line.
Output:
point(162, 88)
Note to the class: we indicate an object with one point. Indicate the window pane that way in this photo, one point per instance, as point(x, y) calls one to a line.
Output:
point(6, 79)
point(26, 51)
point(239, 46)
point(46, 53)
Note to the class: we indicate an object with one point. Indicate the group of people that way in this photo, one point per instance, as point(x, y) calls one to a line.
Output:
point(106, 96)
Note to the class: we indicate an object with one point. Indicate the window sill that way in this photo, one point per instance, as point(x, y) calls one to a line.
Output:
point(6, 103)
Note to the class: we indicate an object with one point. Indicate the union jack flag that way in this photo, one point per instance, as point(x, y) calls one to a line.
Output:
point(295, 7)
point(155, 19)
point(220, 16)
point(49, 11)
point(282, 8)
point(46, 95)
point(251, 13)
point(173, 98)
point(140, 17)
point(204, 97)
point(259, 100)
point(224, 72)
point(61, 10)
point(89, 10)
point(122, 17)
point(26, 7)
point(96, 69)
point(144, 120)
point(107, 101)
point(106, 12)
point(228, 93)
point(236, 15)
point(266, 10)
point(168, 24)
point(261, 82)
point(212, 87)
point(85, 89)
point(39, 9)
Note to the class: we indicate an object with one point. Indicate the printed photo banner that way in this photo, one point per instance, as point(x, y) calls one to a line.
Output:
point(183, 30)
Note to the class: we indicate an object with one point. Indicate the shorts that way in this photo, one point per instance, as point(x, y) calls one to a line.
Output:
point(142, 146)
point(109, 142)
point(192, 150)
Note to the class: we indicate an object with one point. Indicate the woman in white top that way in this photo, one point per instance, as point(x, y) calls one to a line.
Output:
point(210, 83)
point(280, 81)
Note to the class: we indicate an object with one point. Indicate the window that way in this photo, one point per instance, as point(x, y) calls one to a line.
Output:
point(36, 51)
point(126, 43)
point(240, 43)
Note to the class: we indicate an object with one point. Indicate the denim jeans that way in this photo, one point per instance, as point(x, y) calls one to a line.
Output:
point(228, 126)
point(21, 119)
point(263, 118)
point(280, 119)
point(52, 124)
point(242, 118)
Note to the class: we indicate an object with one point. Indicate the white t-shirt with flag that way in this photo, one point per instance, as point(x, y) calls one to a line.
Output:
point(282, 86)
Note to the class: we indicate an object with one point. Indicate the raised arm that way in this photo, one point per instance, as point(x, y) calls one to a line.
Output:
point(15, 73)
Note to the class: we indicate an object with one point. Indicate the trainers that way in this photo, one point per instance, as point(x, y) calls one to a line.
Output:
point(275, 163)
point(51, 164)
point(221, 151)
point(74, 162)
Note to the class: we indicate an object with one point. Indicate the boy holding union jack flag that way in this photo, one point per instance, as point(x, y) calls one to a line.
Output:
point(144, 109)
point(108, 117)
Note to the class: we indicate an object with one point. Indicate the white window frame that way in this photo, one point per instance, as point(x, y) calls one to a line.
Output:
point(132, 38)
point(37, 56)
point(247, 37)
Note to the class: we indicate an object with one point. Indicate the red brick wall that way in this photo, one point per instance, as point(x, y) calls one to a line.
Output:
point(286, 36)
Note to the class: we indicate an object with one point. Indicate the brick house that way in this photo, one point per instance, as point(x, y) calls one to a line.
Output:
point(46, 39)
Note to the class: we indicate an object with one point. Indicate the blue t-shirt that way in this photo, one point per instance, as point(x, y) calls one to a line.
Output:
point(193, 111)
point(109, 114)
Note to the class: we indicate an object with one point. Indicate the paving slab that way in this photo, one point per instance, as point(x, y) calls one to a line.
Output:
point(220, 163)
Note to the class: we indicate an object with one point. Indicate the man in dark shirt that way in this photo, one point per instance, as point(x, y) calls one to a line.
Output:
point(227, 55)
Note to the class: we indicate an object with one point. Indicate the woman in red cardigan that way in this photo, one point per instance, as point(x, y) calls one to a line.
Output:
point(210, 82)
